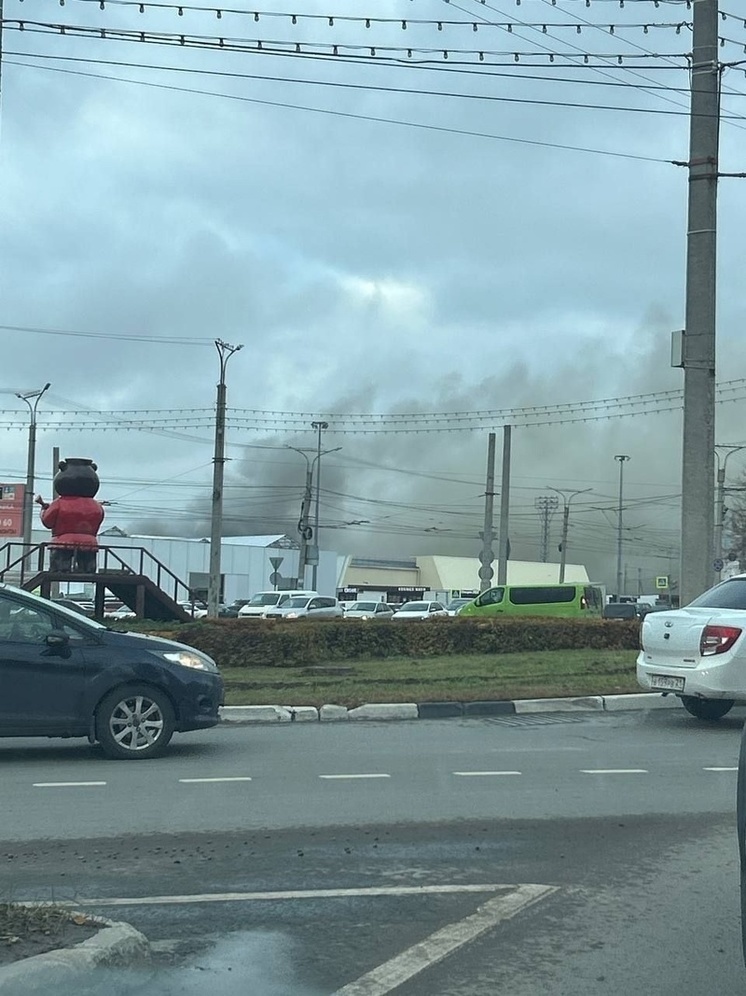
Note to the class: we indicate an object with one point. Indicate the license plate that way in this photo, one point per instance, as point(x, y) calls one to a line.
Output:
point(667, 683)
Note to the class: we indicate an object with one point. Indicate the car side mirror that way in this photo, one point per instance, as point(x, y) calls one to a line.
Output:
point(57, 638)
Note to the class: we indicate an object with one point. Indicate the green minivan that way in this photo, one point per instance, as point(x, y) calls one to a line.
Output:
point(537, 600)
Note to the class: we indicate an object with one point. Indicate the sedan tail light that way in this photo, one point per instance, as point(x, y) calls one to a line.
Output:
point(717, 639)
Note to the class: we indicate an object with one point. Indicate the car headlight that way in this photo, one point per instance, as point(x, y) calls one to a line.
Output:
point(189, 659)
point(291, 615)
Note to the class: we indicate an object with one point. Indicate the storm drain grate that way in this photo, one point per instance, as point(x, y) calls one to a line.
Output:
point(540, 719)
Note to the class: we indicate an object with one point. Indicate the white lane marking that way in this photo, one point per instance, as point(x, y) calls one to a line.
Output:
point(615, 771)
point(47, 785)
point(483, 774)
point(203, 781)
point(720, 769)
point(340, 777)
point(244, 897)
point(398, 970)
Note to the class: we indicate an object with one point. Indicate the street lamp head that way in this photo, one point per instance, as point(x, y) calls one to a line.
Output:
point(621, 457)
point(319, 425)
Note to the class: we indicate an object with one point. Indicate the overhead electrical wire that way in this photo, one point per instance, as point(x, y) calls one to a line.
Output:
point(375, 88)
point(442, 129)
point(285, 46)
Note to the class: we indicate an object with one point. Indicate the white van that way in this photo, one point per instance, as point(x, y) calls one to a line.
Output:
point(263, 600)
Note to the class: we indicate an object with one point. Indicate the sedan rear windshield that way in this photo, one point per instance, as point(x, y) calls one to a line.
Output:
point(728, 595)
point(363, 607)
point(415, 607)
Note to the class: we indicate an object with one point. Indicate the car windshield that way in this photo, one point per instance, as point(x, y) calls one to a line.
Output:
point(415, 607)
point(31, 601)
point(363, 607)
point(265, 598)
point(728, 595)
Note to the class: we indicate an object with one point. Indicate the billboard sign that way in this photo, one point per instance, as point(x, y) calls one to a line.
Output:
point(11, 509)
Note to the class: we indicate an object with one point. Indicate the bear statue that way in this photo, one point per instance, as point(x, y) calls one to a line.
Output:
point(74, 517)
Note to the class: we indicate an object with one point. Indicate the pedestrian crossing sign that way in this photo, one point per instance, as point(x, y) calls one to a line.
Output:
point(662, 582)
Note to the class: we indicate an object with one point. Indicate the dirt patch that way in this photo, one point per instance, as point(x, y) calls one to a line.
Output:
point(31, 930)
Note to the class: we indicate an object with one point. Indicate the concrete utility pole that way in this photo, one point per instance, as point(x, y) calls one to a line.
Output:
point(567, 497)
point(225, 351)
point(620, 585)
point(304, 530)
point(697, 512)
point(720, 504)
point(503, 545)
point(320, 427)
point(32, 399)
point(546, 506)
point(487, 554)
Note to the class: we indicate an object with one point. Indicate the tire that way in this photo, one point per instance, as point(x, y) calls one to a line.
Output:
point(708, 709)
point(135, 722)
point(741, 826)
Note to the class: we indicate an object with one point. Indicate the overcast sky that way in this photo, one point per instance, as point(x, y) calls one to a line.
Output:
point(365, 266)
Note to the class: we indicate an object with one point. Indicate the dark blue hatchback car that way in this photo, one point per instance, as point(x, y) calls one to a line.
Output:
point(62, 675)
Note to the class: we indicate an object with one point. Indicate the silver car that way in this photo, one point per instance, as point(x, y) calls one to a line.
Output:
point(369, 610)
point(421, 610)
point(305, 607)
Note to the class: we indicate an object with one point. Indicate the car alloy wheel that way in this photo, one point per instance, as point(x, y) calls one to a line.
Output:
point(136, 722)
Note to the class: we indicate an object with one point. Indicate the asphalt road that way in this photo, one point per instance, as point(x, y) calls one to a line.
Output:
point(624, 822)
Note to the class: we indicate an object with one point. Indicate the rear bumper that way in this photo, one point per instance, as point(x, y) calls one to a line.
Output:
point(711, 679)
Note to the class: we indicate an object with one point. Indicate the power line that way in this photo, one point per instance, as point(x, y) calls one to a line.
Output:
point(169, 340)
point(442, 129)
point(585, 105)
point(290, 47)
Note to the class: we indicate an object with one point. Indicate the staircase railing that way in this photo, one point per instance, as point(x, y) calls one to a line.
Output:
point(20, 562)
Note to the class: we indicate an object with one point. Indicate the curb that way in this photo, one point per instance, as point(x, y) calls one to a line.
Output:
point(116, 943)
point(378, 711)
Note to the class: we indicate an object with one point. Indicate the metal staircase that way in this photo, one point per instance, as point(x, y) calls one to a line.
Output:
point(131, 574)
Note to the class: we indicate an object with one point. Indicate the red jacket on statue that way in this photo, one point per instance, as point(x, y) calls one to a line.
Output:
point(74, 521)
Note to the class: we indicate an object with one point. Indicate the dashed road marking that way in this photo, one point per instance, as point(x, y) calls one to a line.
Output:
point(615, 771)
point(47, 785)
point(205, 781)
point(720, 769)
point(438, 946)
point(484, 774)
point(342, 777)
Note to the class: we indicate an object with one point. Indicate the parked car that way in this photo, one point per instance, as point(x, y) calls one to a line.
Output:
point(62, 675)
point(263, 601)
point(699, 652)
point(347, 603)
point(623, 610)
point(231, 611)
point(84, 608)
point(303, 607)
point(123, 612)
point(369, 610)
point(196, 609)
point(455, 604)
point(420, 610)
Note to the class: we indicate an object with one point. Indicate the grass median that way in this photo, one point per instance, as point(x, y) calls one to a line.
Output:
point(451, 678)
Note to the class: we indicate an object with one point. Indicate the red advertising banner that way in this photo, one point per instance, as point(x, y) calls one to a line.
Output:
point(11, 509)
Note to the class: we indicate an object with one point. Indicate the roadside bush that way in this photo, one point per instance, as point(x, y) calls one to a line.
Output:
point(269, 643)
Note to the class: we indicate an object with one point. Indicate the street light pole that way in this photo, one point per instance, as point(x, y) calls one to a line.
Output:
point(225, 351)
point(319, 426)
point(622, 458)
point(305, 511)
point(567, 497)
point(720, 501)
point(32, 399)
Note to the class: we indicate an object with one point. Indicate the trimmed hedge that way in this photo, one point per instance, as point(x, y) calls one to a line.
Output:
point(269, 643)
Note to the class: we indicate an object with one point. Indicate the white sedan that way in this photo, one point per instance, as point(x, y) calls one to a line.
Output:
point(699, 652)
point(421, 610)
